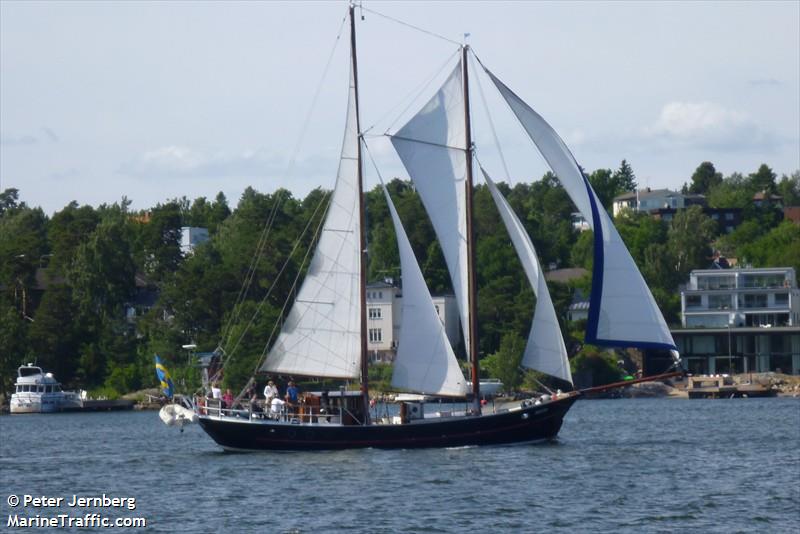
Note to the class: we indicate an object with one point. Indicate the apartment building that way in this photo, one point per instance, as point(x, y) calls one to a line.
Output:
point(740, 320)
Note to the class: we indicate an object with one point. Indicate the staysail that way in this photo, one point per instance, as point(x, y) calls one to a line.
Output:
point(545, 350)
point(431, 147)
point(622, 311)
point(425, 362)
point(322, 333)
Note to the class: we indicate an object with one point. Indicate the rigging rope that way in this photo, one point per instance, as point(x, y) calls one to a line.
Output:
point(297, 243)
point(413, 96)
point(491, 124)
point(227, 330)
point(408, 25)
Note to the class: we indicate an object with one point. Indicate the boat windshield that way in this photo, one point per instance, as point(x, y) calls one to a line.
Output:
point(29, 371)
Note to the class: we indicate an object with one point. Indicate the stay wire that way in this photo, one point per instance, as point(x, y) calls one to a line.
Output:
point(409, 25)
point(227, 331)
point(491, 125)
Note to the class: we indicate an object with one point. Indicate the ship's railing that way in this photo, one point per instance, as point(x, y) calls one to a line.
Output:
point(298, 414)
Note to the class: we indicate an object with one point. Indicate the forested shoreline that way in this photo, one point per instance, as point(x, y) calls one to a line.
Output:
point(68, 279)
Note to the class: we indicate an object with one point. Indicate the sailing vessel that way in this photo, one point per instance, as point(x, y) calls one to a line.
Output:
point(325, 332)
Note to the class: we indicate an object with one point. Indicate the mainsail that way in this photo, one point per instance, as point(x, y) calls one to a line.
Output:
point(431, 146)
point(545, 350)
point(322, 333)
point(425, 361)
point(622, 311)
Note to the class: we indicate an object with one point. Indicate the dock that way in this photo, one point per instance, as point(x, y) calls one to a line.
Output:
point(722, 387)
point(100, 406)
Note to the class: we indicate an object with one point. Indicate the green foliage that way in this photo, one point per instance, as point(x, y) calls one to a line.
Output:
point(789, 189)
point(704, 178)
point(689, 238)
point(778, 248)
point(505, 363)
point(101, 261)
point(763, 180)
point(591, 367)
point(380, 377)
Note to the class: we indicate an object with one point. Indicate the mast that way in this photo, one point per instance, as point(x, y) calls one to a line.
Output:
point(361, 228)
point(472, 286)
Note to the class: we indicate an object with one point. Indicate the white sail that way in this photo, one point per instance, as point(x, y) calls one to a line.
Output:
point(425, 361)
point(322, 332)
point(622, 311)
point(432, 148)
point(545, 350)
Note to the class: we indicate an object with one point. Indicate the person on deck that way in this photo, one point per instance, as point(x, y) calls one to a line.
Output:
point(270, 392)
point(227, 399)
point(292, 393)
point(292, 397)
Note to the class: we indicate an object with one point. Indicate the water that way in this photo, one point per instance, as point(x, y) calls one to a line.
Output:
point(635, 465)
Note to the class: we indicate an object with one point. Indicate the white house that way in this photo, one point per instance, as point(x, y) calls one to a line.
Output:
point(384, 317)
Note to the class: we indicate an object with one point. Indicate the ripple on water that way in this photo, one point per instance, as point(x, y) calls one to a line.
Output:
point(640, 465)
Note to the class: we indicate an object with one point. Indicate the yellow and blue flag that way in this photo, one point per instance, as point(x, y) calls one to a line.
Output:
point(163, 375)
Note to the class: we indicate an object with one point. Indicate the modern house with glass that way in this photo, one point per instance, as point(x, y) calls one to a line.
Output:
point(740, 320)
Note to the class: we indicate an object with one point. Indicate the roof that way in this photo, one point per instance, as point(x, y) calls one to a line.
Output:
point(645, 193)
point(565, 275)
point(382, 284)
point(763, 195)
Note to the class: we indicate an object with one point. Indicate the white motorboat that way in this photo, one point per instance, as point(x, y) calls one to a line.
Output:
point(39, 392)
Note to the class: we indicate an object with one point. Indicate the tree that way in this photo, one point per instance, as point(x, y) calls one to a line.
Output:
point(733, 192)
point(623, 178)
point(505, 363)
point(789, 189)
point(9, 201)
point(704, 178)
point(689, 236)
point(605, 186)
point(763, 180)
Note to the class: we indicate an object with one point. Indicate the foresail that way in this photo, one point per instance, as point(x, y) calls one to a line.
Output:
point(425, 362)
point(545, 350)
point(431, 146)
point(622, 311)
point(321, 335)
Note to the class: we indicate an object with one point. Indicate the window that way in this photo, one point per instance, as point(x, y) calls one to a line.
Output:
point(374, 313)
point(715, 282)
point(719, 302)
point(380, 294)
point(755, 301)
point(729, 216)
point(781, 299)
point(693, 301)
point(375, 335)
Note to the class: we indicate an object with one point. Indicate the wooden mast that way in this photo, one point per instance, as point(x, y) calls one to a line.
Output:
point(361, 229)
point(472, 287)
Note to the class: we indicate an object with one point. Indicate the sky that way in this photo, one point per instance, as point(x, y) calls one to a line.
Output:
point(157, 100)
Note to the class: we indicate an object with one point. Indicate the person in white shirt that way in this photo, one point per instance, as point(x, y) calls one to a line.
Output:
point(216, 392)
point(270, 392)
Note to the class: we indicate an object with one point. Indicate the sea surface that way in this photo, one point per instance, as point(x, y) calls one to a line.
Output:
point(627, 465)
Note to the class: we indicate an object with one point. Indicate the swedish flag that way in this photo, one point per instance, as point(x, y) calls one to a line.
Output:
point(163, 375)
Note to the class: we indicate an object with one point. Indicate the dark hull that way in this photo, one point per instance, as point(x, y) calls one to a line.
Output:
point(527, 424)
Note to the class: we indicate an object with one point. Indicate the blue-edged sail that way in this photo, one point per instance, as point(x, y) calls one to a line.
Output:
point(545, 350)
point(321, 335)
point(622, 311)
point(432, 148)
point(425, 362)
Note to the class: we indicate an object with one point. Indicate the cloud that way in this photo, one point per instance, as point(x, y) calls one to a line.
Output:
point(28, 139)
point(707, 125)
point(175, 161)
point(22, 140)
